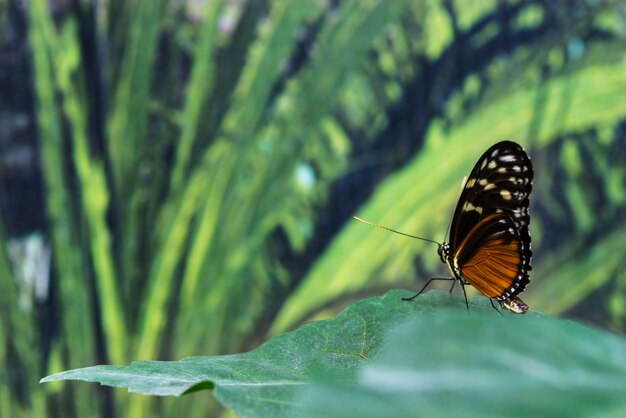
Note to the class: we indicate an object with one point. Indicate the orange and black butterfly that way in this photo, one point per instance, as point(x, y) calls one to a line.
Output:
point(489, 245)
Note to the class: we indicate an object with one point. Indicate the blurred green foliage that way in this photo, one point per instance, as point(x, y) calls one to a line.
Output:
point(200, 160)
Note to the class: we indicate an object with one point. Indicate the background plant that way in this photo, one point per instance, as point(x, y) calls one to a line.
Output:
point(197, 164)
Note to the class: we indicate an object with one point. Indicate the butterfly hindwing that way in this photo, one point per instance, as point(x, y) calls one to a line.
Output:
point(491, 258)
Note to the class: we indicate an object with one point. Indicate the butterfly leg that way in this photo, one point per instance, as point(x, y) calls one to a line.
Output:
point(426, 285)
point(464, 295)
point(494, 307)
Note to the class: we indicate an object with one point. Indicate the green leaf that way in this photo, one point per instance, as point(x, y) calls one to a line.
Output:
point(485, 365)
point(442, 353)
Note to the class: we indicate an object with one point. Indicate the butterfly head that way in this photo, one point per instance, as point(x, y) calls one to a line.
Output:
point(444, 252)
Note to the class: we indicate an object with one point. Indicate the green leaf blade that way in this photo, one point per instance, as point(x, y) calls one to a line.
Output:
point(485, 365)
point(386, 357)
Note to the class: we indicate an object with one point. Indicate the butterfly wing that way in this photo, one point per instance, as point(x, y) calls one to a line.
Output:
point(494, 201)
point(500, 182)
point(492, 257)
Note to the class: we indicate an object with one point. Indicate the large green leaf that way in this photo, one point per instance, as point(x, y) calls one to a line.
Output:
point(442, 353)
point(267, 378)
point(482, 365)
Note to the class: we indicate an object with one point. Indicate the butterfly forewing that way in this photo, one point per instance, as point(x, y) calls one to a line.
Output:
point(500, 182)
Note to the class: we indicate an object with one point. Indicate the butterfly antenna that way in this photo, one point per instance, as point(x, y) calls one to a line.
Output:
point(393, 230)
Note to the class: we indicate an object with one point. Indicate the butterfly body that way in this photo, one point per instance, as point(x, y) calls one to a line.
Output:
point(489, 245)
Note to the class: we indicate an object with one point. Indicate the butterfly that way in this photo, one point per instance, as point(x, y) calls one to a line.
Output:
point(489, 242)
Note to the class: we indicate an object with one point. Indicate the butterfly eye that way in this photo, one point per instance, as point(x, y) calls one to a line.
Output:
point(443, 251)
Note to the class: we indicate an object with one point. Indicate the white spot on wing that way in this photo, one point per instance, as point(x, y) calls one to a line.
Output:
point(468, 207)
point(506, 195)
